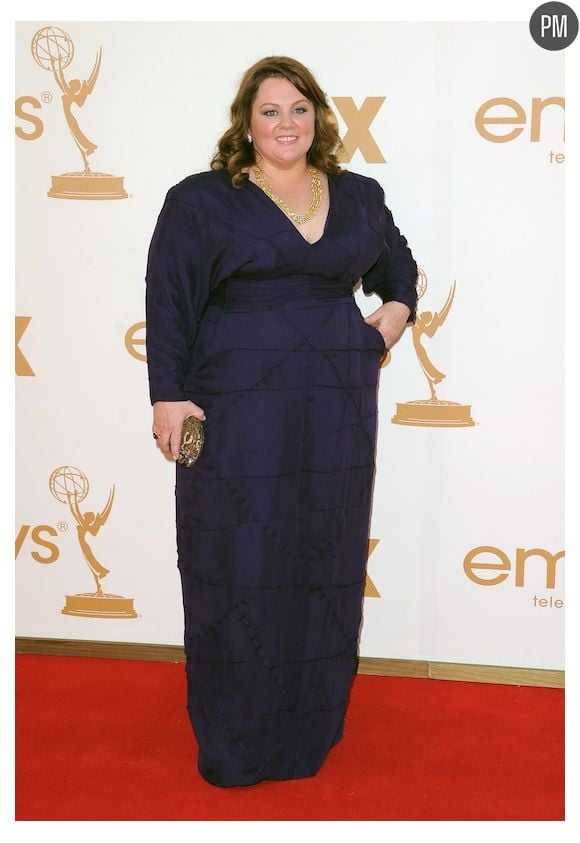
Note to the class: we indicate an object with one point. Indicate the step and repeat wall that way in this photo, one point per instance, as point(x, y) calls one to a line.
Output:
point(463, 126)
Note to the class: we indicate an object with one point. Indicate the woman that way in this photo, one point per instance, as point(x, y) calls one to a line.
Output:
point(253, 328)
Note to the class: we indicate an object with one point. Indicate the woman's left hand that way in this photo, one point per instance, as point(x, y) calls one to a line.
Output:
point(390, 320)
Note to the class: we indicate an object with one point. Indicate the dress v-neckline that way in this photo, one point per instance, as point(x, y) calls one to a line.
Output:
point(271, 202)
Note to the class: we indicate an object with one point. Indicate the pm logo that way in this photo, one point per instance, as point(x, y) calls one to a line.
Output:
point(554, 26)
point(53, 50)
point(70, 486)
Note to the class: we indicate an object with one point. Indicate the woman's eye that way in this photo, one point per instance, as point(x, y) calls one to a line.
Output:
point(271, 112)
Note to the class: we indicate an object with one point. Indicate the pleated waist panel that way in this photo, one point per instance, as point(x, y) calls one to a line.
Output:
point(255, 293)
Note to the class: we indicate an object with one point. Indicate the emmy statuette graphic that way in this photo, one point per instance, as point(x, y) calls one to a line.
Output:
point(70, 486)
point(53, 50)
point(431, 412)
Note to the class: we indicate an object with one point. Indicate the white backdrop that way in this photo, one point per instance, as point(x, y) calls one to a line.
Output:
point(479, 212)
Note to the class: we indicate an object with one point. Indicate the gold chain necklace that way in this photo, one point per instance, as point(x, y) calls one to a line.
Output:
point(315, 186)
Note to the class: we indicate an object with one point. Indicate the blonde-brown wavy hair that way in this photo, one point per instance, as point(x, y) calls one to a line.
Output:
point(234, 150)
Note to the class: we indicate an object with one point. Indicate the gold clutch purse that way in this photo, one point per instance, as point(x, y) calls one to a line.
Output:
point(192, 438)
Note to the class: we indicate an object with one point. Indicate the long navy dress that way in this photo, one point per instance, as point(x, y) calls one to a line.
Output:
point(260, 329)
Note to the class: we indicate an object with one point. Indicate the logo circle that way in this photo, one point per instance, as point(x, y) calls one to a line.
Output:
point(68, 482)
point(52, 47)
point(421, 283)
point(554, 26)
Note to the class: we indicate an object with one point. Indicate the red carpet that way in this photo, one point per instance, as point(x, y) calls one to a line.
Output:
point(101, 739)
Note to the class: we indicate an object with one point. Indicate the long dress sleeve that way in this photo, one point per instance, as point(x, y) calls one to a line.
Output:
point(176, 294)
point(394, 275)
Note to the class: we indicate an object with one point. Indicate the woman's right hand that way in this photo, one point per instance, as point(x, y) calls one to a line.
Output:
point(168, 417)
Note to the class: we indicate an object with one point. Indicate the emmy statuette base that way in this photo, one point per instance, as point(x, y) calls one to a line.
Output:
point(87, 186)
point(99, 606)
point(433, 413)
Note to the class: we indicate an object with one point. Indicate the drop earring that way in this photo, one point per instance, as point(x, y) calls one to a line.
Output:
point(249, 138)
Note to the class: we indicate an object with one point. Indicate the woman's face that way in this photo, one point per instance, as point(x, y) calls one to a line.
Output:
point(281, 123)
